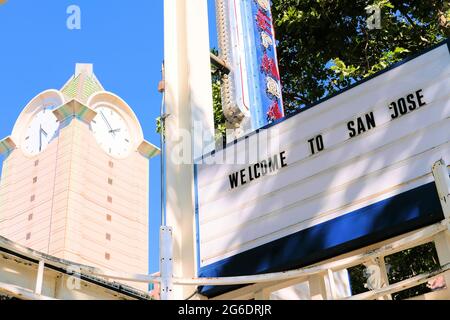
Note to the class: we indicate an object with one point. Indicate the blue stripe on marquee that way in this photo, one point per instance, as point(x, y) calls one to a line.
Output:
point(399, 214)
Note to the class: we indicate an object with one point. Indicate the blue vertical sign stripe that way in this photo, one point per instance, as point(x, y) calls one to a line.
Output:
point(267, 102)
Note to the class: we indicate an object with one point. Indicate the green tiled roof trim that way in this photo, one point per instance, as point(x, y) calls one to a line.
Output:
point(71, 88)
point(89, 86)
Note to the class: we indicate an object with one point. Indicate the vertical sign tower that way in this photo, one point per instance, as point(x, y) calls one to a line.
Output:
point(252, 92)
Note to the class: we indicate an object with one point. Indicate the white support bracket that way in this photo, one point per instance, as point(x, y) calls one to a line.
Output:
point(166, 262)
point(442, 180)
point(317, 287)
point(40, 277)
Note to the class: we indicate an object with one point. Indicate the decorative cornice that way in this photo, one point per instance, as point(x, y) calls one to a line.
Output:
point(75, 108)
point(7, 145)
point(148, 150)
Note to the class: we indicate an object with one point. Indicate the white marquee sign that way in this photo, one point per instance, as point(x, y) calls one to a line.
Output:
point(349, 171)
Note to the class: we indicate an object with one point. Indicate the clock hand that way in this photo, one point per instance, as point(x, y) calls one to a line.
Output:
point(40, 138)
point(115, 130)
point(107, 123)
point(43, 131)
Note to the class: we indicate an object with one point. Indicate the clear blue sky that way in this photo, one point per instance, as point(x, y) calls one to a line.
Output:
point(124, 41)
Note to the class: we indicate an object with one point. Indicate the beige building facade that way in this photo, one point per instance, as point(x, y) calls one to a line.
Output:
point(75, 180)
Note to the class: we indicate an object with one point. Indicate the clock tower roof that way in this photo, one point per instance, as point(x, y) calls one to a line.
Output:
point(79, 98)
point(82, 84)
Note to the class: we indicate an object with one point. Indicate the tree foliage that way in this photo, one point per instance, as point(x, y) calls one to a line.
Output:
point(324, 45)
point(219, 117)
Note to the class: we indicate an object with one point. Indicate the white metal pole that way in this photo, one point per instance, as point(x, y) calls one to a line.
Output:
point(188, 96)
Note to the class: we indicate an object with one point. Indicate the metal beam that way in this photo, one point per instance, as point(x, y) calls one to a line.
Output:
point(166, 263)
point(40, 277)
point(21, 293)
point(400, 286)
point(220, 63)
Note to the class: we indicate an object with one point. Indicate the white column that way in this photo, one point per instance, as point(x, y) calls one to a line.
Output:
point(263, 294)
point(39, 277)
point(317, 287)
point(333, 291)
point(188, 98)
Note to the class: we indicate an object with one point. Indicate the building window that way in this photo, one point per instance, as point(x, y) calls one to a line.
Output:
point(30, 217)
point(36, 163)
point(32, 198)
point(34, 179)
point(28, 235)
point(108, 237)
point(111, 164)
point(108, 217)
point(110, 181)
point(109, 199)
point(107, 256)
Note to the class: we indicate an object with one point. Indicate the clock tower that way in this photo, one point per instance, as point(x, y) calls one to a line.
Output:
point(75, 179)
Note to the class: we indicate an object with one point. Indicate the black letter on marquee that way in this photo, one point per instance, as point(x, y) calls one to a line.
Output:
point(351, 128)
point(311, 145)
point(283, 159)
point(412, 103)
point(402, 106)
point(273, 164)
point(394, 107)
point(243, 177)
point(318, 144)
point(250, 173)
point(257, 174)
point(264, 167)
point(370, 119)
point(233, 180)
point(420, 97)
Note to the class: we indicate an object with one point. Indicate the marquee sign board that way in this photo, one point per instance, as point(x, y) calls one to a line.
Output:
point(351, 171)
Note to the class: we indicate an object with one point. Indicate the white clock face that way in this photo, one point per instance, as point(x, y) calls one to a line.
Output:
point(40, 131)
point(111, 132)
